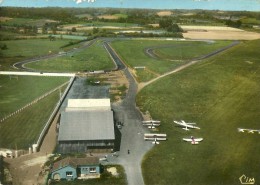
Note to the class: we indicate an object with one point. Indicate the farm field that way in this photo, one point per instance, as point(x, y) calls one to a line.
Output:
point(221, 95)
point(99, 24)
point(218, 33)
point(19, 50)
point(93, 58)
point(24, 21)
point(181, 51)
point(22, 129)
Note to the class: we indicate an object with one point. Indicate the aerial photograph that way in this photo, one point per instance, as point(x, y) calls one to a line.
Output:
point(129, 92)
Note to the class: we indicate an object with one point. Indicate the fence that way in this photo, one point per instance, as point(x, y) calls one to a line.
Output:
point(31, 103)
point(51, 118)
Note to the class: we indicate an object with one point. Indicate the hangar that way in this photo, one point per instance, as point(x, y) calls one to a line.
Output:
point(86, 125)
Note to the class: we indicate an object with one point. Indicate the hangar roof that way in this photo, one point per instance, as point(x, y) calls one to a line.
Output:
point(88, 104)
point(86, 125)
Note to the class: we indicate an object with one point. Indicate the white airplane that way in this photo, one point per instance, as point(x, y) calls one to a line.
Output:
point(151, 123)
point(155, 142)
point(186, 125)
point(155, 138)
point(252, 131)
point(192, 140)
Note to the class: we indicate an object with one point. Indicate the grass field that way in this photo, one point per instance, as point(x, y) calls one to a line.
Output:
point(93, 58)
point(22, 129)
point(220, 95)
point(250, 21)
point(135, 55)
point(26, 21)
point(19, 50)
point(189, 50)
point(17, 91)
point(115, 24)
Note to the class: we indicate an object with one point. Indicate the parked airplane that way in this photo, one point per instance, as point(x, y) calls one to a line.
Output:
point(252, 131)
point(192, 140)
point(151, 123)
point(155, 138)
point(186, 125)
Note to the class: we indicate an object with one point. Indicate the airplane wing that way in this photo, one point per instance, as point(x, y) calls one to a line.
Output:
point(151, 121)
point(183, 123)
point(192, 140)
point(157, 139)
point(191, 126)
point(151, 124)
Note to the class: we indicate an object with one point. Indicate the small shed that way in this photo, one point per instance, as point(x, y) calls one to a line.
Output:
point(73, 168)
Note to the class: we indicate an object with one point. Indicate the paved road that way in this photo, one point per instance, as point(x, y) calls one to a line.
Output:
point(25, 73)
point(132, 131)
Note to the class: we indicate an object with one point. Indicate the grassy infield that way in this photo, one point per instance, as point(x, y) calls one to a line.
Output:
point(93, 58)
point(177, 51)
point(220, 94)
point(19, 50)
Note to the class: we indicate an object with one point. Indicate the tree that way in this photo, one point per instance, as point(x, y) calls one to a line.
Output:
point(95, 30)
point(169, 25)
point(44, 29)
point(52, 38)
point(3, 46)
point(54, 29)
point(174, 28)
point(73, 29)
point(234, 24)
point(165, 23)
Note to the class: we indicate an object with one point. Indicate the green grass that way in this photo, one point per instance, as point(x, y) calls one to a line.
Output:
point(71, 37)
point(189, 50)
point(250, 21)
point(120, 15)
point(134, 55)
point(105, 179)
point(221, 95)
point(93, 58)
point(25, 21)
point(115, 24)
point(144, 75)
point(23, 129)
point(17, 91)
point(32, 47)
point(19, 50)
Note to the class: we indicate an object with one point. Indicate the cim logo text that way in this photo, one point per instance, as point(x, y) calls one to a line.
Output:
point(246, 180)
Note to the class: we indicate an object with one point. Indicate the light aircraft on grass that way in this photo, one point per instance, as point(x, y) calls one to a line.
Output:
point(151, 121)
point(192, 140)
point(248, 130)
point(155, 138)
point(151, 124)
point(186, 125)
